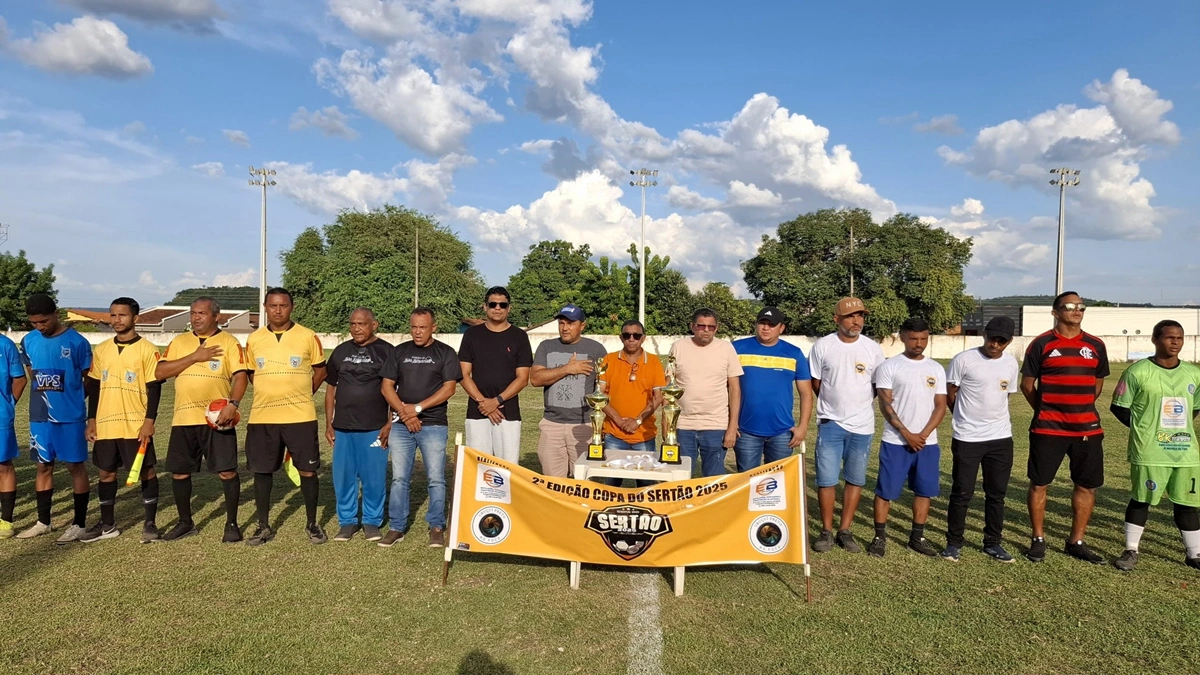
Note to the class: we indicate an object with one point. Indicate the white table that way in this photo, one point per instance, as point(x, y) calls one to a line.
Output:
point(586, 469)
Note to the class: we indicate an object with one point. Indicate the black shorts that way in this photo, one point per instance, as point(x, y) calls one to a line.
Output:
point(191, 444)
point(1046, 454)
point(111, 454)
point(265, 444)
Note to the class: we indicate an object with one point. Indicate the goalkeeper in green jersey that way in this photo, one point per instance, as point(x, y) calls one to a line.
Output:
point(1157, 399)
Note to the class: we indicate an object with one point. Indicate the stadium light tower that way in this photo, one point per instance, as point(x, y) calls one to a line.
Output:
point(1066, 178)
point(417, 265)
point(263, 178)
point(643, 180)
point(3, 233)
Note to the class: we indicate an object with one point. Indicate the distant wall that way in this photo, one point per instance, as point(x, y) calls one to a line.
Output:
point(1116, 321)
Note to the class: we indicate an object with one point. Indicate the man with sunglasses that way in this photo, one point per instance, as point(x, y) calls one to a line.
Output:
point(710, 373)
point(633, 378)
point(495, 358)
point(1062, 377)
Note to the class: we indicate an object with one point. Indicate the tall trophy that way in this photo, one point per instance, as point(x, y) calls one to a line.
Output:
point(598, 401)
point(669, 451)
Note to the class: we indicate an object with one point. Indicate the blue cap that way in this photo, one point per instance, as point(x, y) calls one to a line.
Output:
point(571, 313)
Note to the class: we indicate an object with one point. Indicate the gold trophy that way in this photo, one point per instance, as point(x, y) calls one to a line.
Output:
point(598, 400)
point(669, 451)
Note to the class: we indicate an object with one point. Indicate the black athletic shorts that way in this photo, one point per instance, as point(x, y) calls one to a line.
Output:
point(1046, 454)
point(111, 454)
point(265, 444)
point(190, 444)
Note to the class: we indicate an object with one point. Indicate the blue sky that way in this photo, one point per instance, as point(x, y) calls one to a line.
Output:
point(126, 127)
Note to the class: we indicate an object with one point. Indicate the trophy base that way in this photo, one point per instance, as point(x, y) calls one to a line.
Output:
point(669, 454)
point(596, 452)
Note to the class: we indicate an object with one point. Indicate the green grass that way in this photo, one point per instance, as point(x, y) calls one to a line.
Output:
point(199, 606)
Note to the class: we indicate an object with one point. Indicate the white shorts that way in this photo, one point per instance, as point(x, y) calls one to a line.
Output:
point(499, 440)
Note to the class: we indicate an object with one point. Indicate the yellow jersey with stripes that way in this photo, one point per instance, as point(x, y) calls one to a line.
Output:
point(769, 374)
point(124, 369)
point(283, 364)
point(204, 382)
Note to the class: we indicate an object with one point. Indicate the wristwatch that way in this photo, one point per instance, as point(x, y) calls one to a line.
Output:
point(417, 408)
point(499, 399)
point(234, 402)
point(639, 421)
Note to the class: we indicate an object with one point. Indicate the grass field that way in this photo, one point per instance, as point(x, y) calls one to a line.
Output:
point(199, 606)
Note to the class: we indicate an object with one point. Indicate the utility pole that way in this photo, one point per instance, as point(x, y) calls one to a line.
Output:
point(263, 178)
point(643, 181)
point(3, 233)
point(1066, 178)
point(417, 266)
point(852, 260)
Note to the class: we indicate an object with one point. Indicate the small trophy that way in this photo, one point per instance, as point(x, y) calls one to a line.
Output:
point(598, 400)
point(669, 451)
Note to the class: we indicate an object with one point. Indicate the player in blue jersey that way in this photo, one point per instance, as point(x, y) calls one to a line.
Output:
point(12, 383)
point(58, 358)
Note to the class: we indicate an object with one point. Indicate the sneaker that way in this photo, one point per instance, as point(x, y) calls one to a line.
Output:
point(1193, 563)
point(824, 542)
point(345, 533)
point(437, 537)
point(921, 545)
point(182, 529)
point(99, 532)
point(1127, 561)
point(6, 529)
point(372, 533)
point(233, 534)
point(1081, 551)
point(847, 542)
point(73, 533)
point(951, 553)
point(392, 537)
point(39, 528)
point(997, 552)
point(262, 534)
point(315, 534)
point(149, 532)
point(877, 547)
point(1037, 550)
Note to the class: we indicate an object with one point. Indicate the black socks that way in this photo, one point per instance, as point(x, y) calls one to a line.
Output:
point(310, 488)
point(108, 502)
point(262, 497)
point(150, 498)
point(182, 488)
point(233, 492)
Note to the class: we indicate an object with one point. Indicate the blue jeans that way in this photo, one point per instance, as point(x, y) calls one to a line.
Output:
point(403, 445)
point(706, 448)
point(613, 443)
point(749, 450)
point(841, 453)
point(358, 459)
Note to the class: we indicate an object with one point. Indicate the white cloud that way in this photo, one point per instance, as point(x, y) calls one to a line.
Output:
point(247, 277)
point(681, 197)
point(135, 127)
point(329, 192)
point(942, 124)
point(1006, 255)
point(192, 15)
point(741, 194)
point(210, 169)
point(330, 121)
point(237, 137)
point(1106, 142)
point(86, 46)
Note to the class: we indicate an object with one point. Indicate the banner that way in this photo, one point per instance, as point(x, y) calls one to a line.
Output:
point(757, 516)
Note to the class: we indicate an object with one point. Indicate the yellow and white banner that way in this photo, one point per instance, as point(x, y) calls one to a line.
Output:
point(751, 517)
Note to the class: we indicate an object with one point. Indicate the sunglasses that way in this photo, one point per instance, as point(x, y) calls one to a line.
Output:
point(632, 336)
point(497, 305)
point(703, 326)
point(1069, 306)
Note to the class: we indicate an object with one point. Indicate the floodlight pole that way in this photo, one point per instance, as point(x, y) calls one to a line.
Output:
point(1066, 178)
point(417, 265)
point(643, 181)
point(263, 179)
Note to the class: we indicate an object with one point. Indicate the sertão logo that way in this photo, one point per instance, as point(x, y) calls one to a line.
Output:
point(627, 530)
point(490, 525)
point(768, 534)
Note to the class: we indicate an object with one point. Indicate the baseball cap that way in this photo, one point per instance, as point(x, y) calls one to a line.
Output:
point(771, 315)
point(847, 306)
point(570, 313)
point(1000, 326)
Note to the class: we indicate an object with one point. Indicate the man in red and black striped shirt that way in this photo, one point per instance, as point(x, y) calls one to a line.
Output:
point(1062, 377)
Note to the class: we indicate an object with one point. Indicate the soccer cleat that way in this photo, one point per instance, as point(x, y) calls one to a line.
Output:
point(233, 534)
point(315, 534)
point(877, 547)
point(1037, 550)
point(951, 552)
point(996, 552)
point(149, 532)
point(437, 537)
point(921, 545)
point(1081, 551)
point(6, 529)
point(39, 528)
point(181, 530)
point(99, 532)
point(847, 542)
point(824, 542)
point(72, 533)
point(345, 533)
point(262, 534)
point(392, 537)
point(372, 533)
point(1193, 563)
point(1127, 561)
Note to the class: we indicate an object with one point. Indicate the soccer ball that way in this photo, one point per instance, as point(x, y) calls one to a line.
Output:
point(214, 409)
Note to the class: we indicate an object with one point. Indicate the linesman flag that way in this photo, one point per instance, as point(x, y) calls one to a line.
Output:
point(135, 471)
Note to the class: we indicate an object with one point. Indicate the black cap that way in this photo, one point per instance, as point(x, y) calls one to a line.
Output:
point(1000, 326)
point(771, 315)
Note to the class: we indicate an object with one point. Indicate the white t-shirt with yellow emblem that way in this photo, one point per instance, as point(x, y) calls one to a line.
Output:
point(845, 370)
point(914, 384)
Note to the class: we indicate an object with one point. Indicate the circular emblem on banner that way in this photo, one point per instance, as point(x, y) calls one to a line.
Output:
point(490, 525)
point(768, 534)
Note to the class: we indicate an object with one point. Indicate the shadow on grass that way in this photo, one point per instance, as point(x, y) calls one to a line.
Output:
point(479, 662)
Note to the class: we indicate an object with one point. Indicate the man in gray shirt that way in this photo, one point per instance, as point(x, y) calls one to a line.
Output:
point(566, 369)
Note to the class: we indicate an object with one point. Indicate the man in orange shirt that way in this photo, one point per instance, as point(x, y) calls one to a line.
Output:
point(633, 381)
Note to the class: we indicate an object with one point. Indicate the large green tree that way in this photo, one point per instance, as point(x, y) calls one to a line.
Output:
point(735, 316)
point(902, 267)
point(551, 275)
point(368, 259)
point(669, 302)
point(18, 279)
point(230, 297)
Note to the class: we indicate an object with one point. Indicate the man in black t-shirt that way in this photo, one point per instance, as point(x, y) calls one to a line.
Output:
point(357, 424)
point(496, 358)
point(418, 379)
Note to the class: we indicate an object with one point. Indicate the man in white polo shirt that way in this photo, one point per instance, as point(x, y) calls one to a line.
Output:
point(977, 391)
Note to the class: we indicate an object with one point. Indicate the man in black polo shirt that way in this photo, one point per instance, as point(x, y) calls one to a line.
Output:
point(418, 379)
point(496, 358)
point(357, 425)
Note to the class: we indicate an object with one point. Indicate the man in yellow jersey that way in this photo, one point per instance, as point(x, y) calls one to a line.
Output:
point(122, 406)
point(207, 364)
point(287, 366)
